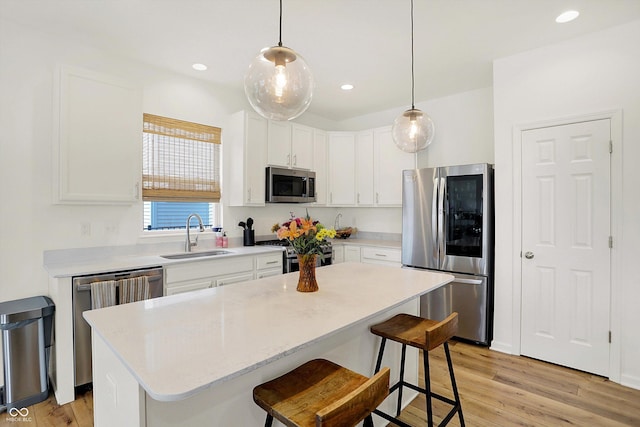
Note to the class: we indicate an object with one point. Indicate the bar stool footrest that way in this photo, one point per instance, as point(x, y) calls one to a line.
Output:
point(391, 419)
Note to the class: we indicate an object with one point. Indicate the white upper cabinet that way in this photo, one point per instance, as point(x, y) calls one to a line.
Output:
point(389, 162)
point(301, 146)
point(290, 145)
point(342, 160)
point(364, 168)
point(320, 165)
point(97, 138)
point(279, 144)
point(246, 142)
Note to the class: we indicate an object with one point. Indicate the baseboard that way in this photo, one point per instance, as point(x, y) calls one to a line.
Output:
point(501, 347)
point(630, 381)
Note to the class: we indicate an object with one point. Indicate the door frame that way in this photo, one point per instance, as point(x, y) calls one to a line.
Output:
point(616, 222)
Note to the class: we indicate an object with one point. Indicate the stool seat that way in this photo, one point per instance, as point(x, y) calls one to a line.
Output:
point(322, 393)
point(424, 334)
point(415, 331)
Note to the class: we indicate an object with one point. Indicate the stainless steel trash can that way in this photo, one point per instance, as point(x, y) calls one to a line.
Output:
point(26, 326)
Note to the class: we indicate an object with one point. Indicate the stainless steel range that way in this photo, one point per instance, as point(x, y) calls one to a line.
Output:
point(290, 259)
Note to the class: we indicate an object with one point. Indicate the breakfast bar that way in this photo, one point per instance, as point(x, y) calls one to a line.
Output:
point(193, 359)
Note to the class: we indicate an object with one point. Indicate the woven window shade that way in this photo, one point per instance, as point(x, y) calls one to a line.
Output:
point(181, 161)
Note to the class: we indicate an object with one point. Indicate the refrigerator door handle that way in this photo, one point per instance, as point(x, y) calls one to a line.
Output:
point(469, 281)
point(441, 221)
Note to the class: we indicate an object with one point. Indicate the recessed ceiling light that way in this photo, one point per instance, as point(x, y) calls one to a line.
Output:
point(199, 67)
point(567, 16)
point(346, 86)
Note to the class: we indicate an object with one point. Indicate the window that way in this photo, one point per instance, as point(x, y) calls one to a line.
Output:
point(180, 172)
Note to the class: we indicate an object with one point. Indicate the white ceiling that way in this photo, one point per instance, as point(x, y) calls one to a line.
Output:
point(363, 42)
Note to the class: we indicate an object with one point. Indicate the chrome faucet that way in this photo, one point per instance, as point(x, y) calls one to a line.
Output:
point(336, 223)
point(188, 245)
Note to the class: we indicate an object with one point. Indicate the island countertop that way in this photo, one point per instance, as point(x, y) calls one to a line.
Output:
point(179, 345)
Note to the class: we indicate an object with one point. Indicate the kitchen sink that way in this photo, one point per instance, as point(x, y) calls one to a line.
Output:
point(195, 254)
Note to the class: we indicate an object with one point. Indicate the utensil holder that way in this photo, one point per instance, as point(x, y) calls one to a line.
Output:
point(249, 238)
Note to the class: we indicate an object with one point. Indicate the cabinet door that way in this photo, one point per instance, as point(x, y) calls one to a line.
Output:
point(338, 254)
point(268, 273)
point(279, 144)
point(234, 278)
point(269, 261)
point(382, 256)
point(245, 157)
point(389, 162)
point(364, 168)
point(254, 160)
point(96, 161)
point(320, 165)
point(301, 147)
point(342, 156)
point(188, 287)
point(352, 253)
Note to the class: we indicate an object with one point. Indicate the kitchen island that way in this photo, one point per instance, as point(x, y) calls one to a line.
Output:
point(193, 359)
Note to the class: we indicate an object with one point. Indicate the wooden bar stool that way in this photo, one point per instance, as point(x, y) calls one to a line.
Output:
point(424, 334)
point(321, 393)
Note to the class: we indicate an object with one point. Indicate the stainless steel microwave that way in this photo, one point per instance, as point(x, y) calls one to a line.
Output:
point(290, 185)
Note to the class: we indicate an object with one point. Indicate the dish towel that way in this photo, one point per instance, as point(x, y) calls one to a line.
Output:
point(134, 289)
point(103, 294)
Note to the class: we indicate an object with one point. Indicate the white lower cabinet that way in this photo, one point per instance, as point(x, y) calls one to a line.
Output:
point(268, 265)
point(234, 278)
point(367, 255)
point(352, 253)
point(338, 254)
point(189, 286)
point(202, 274)
point(383, 256)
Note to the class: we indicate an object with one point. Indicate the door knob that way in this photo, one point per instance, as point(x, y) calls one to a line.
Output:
point(528, 255)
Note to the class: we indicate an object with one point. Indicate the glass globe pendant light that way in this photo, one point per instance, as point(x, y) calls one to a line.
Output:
point(413, 130)
point(279, 83)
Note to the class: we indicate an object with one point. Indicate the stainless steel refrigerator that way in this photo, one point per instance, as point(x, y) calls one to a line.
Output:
point(448, 225)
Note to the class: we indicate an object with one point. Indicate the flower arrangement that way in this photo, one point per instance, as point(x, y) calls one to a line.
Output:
point(304, 234)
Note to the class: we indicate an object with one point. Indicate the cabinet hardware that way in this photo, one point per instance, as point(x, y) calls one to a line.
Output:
point(272, 262)
point(295, 160)
point(381, 255)
point(377, 198)
point(289, 159)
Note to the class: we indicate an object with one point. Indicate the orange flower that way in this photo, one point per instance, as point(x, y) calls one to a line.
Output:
point(307, 225)
point(289, 233)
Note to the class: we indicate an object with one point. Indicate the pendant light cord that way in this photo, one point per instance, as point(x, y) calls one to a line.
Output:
point(413, 107)
point(280, 34)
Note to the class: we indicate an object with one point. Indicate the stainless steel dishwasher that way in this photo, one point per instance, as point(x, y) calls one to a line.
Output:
point(82, 303)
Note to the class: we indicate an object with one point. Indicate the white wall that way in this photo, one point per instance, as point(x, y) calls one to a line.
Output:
point(590, 74)
point(31, 224)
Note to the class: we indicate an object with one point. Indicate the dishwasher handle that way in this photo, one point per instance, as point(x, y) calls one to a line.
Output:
point(87, 286)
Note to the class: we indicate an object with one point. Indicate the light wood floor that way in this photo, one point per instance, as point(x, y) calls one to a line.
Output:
point(496, 390)
point(502, 390)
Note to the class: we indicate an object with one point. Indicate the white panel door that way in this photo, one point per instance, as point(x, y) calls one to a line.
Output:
point(565, 245)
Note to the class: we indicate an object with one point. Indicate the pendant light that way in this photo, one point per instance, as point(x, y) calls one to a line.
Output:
point(279, 83)
point(413, 130)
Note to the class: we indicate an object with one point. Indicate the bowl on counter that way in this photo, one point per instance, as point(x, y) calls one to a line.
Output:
point(345, 232)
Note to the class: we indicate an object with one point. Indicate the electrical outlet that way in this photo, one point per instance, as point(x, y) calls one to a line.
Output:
point(110, 228)
point(85, 229)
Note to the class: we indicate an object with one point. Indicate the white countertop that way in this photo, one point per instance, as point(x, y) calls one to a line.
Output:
point(392, 244)
point(178, 345)
point(76, 266)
